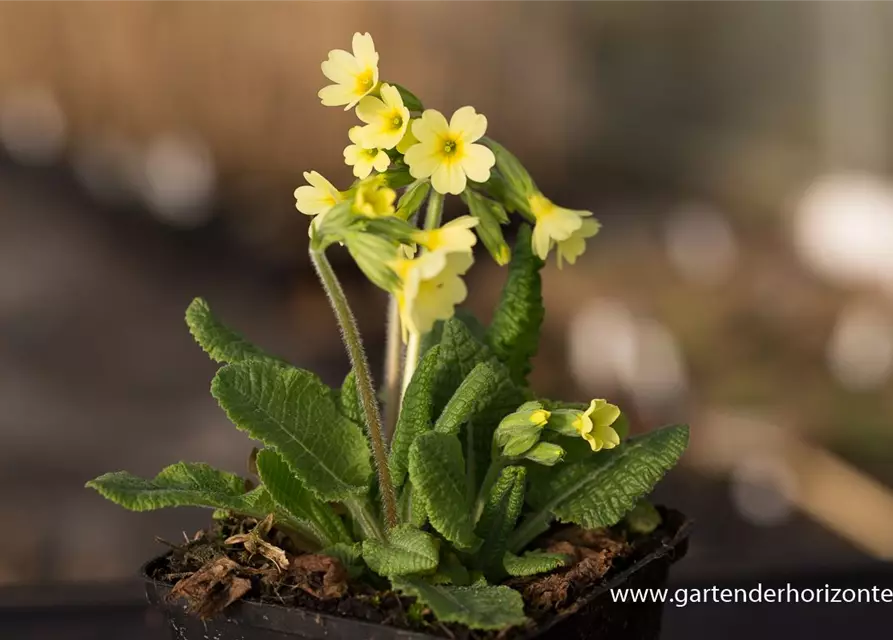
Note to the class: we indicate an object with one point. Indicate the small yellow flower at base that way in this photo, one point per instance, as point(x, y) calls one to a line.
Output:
point(575, 245)
point(374, 200)
point(355, 75)
point(446, 151)
point(364, 160)
point(455, 235)
point(430, 288)
point(553, 223)
point(318, 196)
point(594, 425)
point(386, 118)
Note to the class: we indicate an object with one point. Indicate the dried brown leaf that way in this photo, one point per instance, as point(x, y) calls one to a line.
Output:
point(212, 588)
point(321, 576)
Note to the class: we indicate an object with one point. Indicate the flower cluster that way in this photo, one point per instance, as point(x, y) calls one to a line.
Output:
point(401, 145)
point(519, 433)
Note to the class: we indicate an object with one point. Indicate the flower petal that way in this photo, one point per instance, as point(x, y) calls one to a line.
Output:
point(369, 108)
point(382, 161)
point(364, 50)
point(430, 126)
point(468, 123)
point(335, 95)
point(423, 161)
point(391, 96)
point(477, 162)
point(341, 67)
point(448, 178)
point(541, 241)
point(317, 180)
point(310, 201)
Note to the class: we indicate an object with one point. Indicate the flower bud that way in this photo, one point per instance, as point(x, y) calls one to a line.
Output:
point(374, 200)
point(412, 199)
point(332, 225)
point(545, 453)
point(644, 518)
point(510, 167)
point(564, 422)
point(373, 253)
point(521, 430)
point(491, 215)
point(391, 228)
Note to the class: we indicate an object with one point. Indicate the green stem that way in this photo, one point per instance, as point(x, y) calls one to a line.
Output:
point(352, 341)
point(434, 212)
point(392, 370)
point(361, 511)
point(433, 215)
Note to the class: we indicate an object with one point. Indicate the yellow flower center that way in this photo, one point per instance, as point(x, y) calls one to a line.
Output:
point(540, 205)
point(364, 81)
point(449, 147)
point(370, 153)
point(396, 122)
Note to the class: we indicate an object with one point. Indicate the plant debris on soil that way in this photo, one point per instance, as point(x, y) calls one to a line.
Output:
point(242, 558)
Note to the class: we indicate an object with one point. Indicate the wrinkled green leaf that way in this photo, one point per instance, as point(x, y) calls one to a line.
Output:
point(416, 415)
point(460, 353)
point(193, 484)
point(599, 491)
point(183, 484)
point(474, 393)
point(292, 411)
point(290, 495)
point(410, 508)
point(349, 399)
point(451, 570)
point(437, 473)
point(478, 606)
point(534, 562)
point(515, 330)
point(220, 342)
point(498, 518)
point(408, 550)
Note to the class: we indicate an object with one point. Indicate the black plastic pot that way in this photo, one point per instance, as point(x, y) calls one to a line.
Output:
point(595, 615)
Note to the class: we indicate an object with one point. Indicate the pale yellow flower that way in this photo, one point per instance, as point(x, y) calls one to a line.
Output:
point(454, 236)
point(355, 75)
point(446, 151)
point(374, 200)
point(575, 245)
point(364, 160)
point(553, 224)
point(594, 425)
point(430, 288)
point(317, 197)
point(386, 118)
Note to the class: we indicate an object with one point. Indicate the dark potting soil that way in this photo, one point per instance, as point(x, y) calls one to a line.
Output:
point(239, 558)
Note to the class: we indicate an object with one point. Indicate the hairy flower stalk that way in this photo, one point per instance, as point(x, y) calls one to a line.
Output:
point(354, 345)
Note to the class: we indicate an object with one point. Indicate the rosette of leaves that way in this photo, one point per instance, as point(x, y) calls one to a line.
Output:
point(467, 516)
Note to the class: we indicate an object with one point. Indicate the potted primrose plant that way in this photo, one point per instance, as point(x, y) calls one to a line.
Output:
point(475, 508)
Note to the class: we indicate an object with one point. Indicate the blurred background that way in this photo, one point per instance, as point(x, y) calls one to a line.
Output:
point(739, 156)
